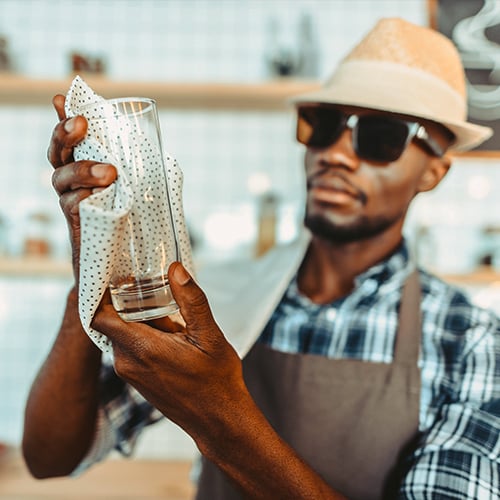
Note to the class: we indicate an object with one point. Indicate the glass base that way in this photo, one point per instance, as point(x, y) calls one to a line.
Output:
point(142, 301)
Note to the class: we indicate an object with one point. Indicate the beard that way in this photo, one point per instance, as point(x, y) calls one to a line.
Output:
point(362, 229)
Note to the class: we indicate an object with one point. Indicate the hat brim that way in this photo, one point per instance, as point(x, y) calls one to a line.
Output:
point(394, 88)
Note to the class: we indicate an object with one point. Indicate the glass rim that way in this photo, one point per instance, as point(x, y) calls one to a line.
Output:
point(115, 102)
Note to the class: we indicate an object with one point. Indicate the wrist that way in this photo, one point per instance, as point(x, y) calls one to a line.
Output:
point(234, 432)
point(72, 336)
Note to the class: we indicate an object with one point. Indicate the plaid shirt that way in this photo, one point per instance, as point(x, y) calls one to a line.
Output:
point(458, 453)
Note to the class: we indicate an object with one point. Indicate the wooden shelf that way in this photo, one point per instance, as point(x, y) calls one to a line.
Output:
point(34, 266)
point(270, 96)
point(481, 276)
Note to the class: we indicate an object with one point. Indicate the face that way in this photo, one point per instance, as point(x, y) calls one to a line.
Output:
point(350, 199)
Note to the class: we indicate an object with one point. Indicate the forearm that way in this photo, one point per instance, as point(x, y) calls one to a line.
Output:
point(257, 460)
point(62, 405)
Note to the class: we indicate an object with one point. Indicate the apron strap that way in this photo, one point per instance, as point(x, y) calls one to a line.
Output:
point(407, 342)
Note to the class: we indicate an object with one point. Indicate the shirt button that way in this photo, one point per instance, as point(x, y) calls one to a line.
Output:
point(331, 314)
point(370, 285)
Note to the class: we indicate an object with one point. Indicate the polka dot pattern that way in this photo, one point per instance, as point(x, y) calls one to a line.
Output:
point(117, 227)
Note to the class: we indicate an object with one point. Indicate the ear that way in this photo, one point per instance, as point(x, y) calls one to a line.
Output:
point(436, 169)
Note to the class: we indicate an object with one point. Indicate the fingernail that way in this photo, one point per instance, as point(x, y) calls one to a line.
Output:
point(99, 170)
point(97, 190)
point(69, 126)
point(181, 275)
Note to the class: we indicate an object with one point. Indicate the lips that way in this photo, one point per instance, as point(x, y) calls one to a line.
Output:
point(333, 188)
point(334, 183)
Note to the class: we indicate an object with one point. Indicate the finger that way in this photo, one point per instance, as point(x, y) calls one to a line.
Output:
point(192, 302)
point(169, 324)
point(58, 102)
point(66, 135)
point(106, 298)
point(83, 174)
point(131, 337)
point(69, 203)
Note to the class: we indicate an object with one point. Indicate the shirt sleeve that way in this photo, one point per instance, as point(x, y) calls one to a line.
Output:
point(122, 415)
point(459, 456)
point(458, 459)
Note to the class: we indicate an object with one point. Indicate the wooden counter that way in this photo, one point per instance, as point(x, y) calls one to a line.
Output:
point(115, 479)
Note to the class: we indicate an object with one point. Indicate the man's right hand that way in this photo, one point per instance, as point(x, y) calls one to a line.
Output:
point(74, 180)
point(61, 408)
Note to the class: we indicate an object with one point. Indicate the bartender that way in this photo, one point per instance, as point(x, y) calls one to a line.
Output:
point(362, 376)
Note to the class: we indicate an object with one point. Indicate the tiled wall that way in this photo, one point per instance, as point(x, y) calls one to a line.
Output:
point(30, 310)
point(177, 40)
point(221, 153)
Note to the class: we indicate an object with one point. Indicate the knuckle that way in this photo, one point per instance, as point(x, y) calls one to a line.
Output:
point(199, 300)
point(65, 205)
point(56, 145)
point(69, 203)
point(58, 180)
point(55, 180)
point(131, 357)
point(200, 315)
point(122, 364)
point(80, 172)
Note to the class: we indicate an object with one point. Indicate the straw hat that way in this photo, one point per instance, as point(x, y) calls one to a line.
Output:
point(403, 68)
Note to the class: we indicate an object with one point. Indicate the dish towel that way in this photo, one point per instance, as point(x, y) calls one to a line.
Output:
point(103, 217)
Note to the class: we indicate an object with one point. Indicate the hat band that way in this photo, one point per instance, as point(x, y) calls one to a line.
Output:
point(378, 84)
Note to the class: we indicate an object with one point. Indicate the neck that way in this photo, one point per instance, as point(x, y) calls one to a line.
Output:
point(329, 269)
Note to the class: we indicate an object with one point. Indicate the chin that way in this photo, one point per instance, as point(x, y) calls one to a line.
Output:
point(328, 231)
point(344, 233)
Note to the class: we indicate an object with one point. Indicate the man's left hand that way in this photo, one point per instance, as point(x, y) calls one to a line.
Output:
point(190, 373)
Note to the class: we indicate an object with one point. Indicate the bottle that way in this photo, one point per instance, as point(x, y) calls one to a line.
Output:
point(267, 222)
point(280, 59)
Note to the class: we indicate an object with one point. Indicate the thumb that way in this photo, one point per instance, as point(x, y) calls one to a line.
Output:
point(191, 300)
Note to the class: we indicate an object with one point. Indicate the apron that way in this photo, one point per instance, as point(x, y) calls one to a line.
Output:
point(350, 420)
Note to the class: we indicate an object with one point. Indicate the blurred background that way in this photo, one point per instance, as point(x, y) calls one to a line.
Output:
point(221, 71)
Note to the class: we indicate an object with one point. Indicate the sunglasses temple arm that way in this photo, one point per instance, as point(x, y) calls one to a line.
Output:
point(431, 143)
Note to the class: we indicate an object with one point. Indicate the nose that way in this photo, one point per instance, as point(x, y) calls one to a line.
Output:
point(341, 152)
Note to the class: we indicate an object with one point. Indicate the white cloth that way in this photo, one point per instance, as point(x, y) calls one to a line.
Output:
point(103, 217)
point(258, 285)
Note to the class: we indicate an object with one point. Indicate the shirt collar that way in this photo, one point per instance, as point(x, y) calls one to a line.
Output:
point(389, 273)
point(398, 263)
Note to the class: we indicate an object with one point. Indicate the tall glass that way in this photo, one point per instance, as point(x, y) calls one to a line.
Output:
point(129, 132)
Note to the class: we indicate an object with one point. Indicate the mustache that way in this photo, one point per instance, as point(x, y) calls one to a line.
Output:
point(328, 170)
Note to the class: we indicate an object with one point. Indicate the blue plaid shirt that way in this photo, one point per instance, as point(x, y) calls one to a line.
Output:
point(458, 454)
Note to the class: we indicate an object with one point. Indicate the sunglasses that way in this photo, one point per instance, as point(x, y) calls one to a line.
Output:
point(375, 138)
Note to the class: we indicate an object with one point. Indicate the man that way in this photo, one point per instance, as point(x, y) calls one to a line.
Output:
point(362, 376)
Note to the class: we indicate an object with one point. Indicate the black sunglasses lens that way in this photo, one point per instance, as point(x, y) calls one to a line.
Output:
point(319, 127)
point(380, 139)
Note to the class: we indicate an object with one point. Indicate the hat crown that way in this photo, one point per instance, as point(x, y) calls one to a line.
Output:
point(402, 68)
point(398, 41)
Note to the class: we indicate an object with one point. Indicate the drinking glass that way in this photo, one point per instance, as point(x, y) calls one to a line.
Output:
point(128, 131)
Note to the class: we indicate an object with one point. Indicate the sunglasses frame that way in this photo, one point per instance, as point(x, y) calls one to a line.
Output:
point(415, 130)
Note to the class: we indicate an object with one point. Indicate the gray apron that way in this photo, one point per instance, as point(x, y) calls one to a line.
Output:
point(350, 420)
